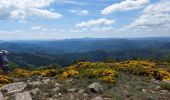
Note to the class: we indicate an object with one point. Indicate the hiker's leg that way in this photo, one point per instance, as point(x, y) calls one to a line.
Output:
point(5, 70)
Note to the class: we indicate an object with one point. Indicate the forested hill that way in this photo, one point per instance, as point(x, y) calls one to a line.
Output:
point(65, 52)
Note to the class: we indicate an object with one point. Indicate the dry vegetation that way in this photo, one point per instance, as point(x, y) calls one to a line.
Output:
point(128, 79)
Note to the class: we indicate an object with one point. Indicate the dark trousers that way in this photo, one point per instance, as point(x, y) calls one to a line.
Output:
point(5, 69)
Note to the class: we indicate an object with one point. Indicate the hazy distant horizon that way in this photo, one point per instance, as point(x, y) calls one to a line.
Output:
point(160, 37)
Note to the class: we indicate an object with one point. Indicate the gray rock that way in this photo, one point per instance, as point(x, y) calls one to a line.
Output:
point(72, 90)
point(85, 94)
point(72, 97)
point(126, 93)
point(150, 98)
point(95, 88)
point(35, 83)
point(60, 94)
point(97, 98)
point(153, 80)
point(81, 91)
point(56, 89)
point(166, 81)
point(14, 87)
point(35, 91)
point(58, 85)
point(164, 91)
point(50, 99)
point(107, 98)
point(158, 88)
point(47, 81)
point(23, 96)
point(143, 90)
point(1, 96)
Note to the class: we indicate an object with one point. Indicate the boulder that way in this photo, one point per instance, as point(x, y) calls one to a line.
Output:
point(35, 83)
point(35, 91)
point(166, 81)
point(143, 90)
point(55, 89)
point(95, 88)
point(72, 90)
point(1, 96)
point(23, 96)
point(158, 88)
point(47, 81)
point(81, 91)
point(14, 87)
point(97, 98)
point(58, 85)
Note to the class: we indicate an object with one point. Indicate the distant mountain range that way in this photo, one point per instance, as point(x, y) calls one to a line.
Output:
point(66, 52)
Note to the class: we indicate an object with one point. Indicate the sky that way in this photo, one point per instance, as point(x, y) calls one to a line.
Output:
point(65, 19)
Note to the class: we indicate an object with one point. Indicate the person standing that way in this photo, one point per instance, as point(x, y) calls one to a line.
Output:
point(4, 62)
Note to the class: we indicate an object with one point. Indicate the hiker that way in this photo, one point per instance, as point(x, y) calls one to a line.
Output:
point(4, 61)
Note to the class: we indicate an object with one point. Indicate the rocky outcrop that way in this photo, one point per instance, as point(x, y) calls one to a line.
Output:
point(166, 81)
point(35, 83)
point(58, 85)
point(1, 96)
point(95, 88)
point(35, 91)
point(97, 98)
point(23, 96)
point(14, 87)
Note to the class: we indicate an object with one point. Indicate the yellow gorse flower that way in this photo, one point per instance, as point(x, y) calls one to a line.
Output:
point(5, 80)
point(70, 73)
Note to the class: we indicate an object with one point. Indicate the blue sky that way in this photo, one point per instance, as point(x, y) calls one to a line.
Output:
point(64, 19)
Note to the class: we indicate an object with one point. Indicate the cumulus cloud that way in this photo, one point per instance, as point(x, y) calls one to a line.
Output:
point(46, 14)
point(124, 6)
point(103, 29)
point(73, 2)
point(80, 12)
point(97, 22)
point(154, 16)
point(97, 29)
point(43, 29)
point(35, 28)
point(21, 9)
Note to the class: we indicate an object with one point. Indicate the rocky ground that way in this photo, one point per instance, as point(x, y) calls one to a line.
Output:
point(43, 88)
point(128, 80)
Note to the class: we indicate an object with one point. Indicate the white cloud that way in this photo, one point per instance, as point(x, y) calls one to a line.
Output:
point(46, 14)
point(97, 29)
point(21, 9)
point(124, 6)
point(97, 22)
point(41, 29)
point(154, 16)
point(73, 2)
point(80, 12)
point(35, 28)
point(162, 6)
point(103, 29)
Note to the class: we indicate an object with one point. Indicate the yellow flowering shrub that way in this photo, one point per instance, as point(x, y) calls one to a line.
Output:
point(108, 79)
point(161, 74)
point(48, 72)
point(104, 72)
point(21, 73)
point(106, 75)
point(69, 73)
point(142, 68)
point(34, 73)
point(97, 70)
point(5, 80)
